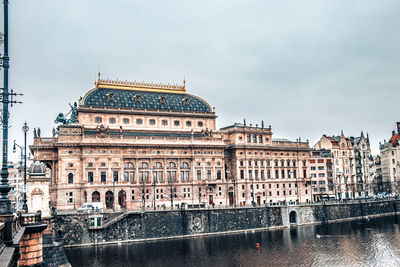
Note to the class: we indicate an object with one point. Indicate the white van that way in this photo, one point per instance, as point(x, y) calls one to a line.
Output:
point(92, 206)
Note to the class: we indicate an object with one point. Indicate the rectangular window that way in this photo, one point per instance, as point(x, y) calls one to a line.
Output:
point(152, 122)
point(256, 174)
point(260, 139)
point(103, 177)
point(276, 174)
point(90, 177)
point(218, 174)
point(268, 174)
point(112, 120)
point(139, 121)
point(164, 122)
point(131, 177)
point(241, 174)
point(176, 123)
point(199, 175)
point(313, 168)
point(248, 138)
point(126, 176)
point(321, 168)
point(208, 174)
point(288, 173)
point(160, 177)
point(115, 176)
point(200, 124)
point(283, 173)
point(262, 174)
point(90, 164)
point(125, 120)
point(188, 123)
point(254, 138)
point(250, 174)
point(98, 119)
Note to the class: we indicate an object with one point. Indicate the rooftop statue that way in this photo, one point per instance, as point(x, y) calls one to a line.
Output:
point(63, 119)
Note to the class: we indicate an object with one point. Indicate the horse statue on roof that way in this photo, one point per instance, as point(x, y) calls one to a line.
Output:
point(63, 119)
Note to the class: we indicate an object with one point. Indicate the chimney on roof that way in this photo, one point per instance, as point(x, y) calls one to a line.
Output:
point(262, 124)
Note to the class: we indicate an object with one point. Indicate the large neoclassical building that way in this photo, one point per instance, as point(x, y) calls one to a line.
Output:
point(134, 145)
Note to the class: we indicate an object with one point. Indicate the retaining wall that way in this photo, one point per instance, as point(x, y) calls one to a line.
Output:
point(152, 225)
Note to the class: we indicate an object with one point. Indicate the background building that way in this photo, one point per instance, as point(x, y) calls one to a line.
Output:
point(390, 162)
point(352, 159)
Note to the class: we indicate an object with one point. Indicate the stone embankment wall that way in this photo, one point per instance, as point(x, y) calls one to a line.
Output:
point(135, 226)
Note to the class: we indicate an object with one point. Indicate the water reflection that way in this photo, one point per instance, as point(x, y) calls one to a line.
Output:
point(374, 242)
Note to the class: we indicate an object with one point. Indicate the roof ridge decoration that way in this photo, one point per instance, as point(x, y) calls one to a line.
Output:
point(142, 85)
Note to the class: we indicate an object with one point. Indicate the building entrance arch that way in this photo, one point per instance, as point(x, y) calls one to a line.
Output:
point(292, 217)
point(109, 199)
point(122, 199)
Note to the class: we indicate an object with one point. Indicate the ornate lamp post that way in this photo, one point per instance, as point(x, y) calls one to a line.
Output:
point(5, 203)
point(25, 129)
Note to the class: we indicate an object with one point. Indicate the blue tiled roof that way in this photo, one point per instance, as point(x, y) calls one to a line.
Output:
point(106, 97)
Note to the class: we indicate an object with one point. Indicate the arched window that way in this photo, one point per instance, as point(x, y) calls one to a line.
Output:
point(157, 165)
point(184, 165)
point(288, 162)
point(282, 163)
point(276, 163)
point(171, 165)
point(143, 165)
point(70, 178)
point(294, 163)
point(128, 165)
point(95, 196)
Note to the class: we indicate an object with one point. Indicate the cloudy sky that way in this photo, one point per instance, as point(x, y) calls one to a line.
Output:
point(305, 67)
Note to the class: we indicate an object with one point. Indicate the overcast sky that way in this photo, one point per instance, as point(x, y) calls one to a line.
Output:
point(305, 67)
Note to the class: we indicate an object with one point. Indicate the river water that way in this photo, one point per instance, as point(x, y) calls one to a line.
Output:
point(374, 242)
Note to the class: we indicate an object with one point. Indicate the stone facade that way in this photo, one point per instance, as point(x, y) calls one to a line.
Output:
point(321, 169)
point(265, 170)
point(134, 145)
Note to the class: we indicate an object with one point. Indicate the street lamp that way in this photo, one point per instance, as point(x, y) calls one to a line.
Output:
point(25, 129)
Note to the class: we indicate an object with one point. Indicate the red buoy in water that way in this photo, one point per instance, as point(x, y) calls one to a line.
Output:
point(258, 246)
